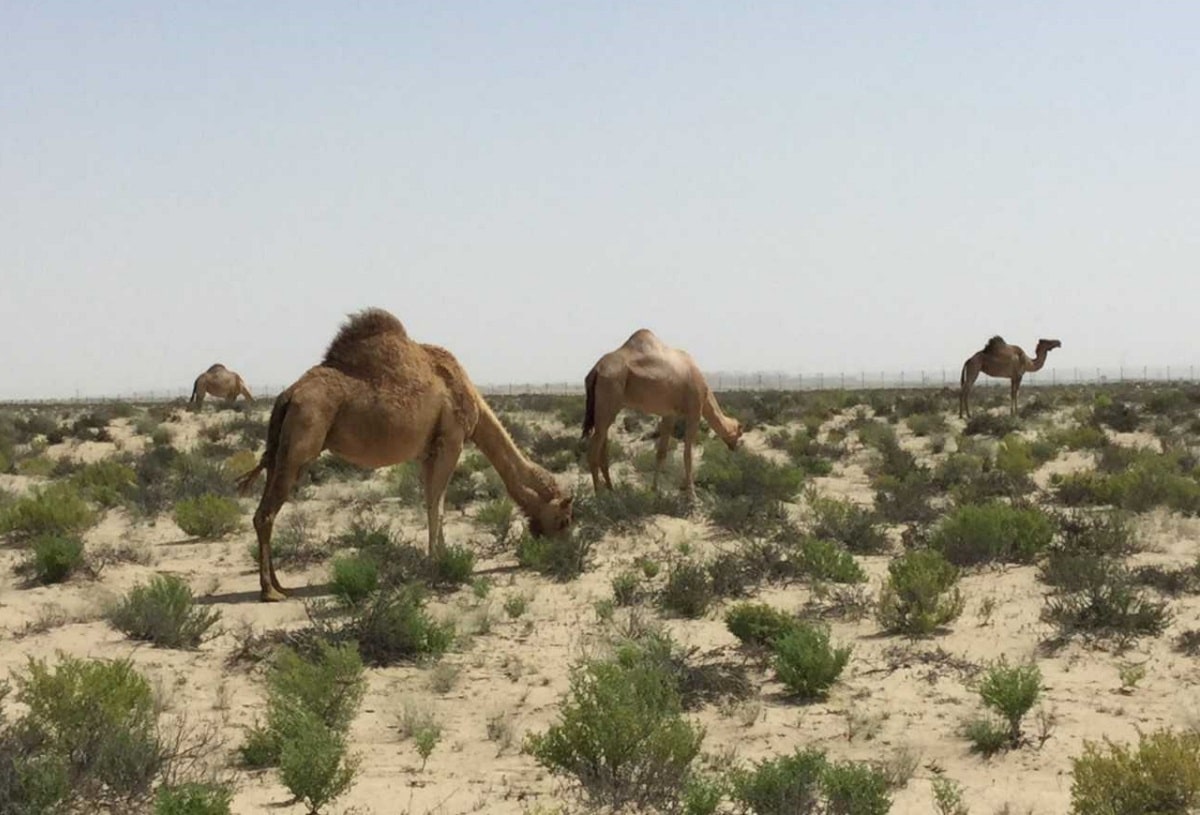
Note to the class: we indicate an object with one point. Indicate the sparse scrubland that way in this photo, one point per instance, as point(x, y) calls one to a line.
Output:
point(871, 606)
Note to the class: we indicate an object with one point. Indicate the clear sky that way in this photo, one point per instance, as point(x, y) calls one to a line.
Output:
point(795, 186)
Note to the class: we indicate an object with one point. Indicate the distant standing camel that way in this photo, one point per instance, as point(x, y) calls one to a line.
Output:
point(647, 375)
point(999, 359)
point(221, 383)
point(377, 399)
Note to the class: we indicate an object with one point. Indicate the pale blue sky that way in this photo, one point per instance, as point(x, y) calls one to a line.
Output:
point(792, 186)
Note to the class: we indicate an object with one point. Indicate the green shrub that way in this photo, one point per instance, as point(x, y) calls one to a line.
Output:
point(404, 482)
point(788, 785)
point(975, 534)
point(826, 560)
point(730, 473)
point(855, 788)
point(688, 591)
point(1011, 691)
point(37, 466)
point(1161, 775)
point(620, 734)
point(1014, 457)
point(57, 509)
point(626, 588)
point(95, 723)
point(193, 799)
point(392, 625)
point(987, 736)
point(208, 516)
point(313, 764)
point(1107, 606)
point(163, 612)
point(758, 624)
point(926, 424)
point(848, 523)
point(626, 509)
point(1078, 437)
point(806, 663)
point(809, 455)
point(905, 498)
point(54, 558)
point(920, 594)
point(354, 578)
point(990, 424)
point(496, 518)
point(107, 483)
point(452, 565)
point(563, 557)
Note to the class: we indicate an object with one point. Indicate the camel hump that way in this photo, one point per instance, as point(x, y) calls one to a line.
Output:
point(215, 368)
point(994, 344)
point(349, 349)
point(643, 338)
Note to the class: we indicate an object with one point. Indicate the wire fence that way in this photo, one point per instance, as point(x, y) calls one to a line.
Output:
point(733, 381)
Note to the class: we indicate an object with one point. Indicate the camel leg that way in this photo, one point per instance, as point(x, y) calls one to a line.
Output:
point(597, 454)
point(1015, 386)
point(690, 432)
point(970, 373)
point(666, 428)
point(436, 469)
point(279, 485)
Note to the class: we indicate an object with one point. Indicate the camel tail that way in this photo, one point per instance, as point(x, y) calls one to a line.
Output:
point(195, 390)
point(274, 428)
point(589, 411)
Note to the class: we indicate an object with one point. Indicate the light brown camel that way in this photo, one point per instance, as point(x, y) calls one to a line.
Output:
point(221, 383)
point(1002, 360)
point(377, 399)
point(647, 375)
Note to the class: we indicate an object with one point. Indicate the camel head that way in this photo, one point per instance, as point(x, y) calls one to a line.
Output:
point(734, 436)
point(1045, 346)
point(551, 518)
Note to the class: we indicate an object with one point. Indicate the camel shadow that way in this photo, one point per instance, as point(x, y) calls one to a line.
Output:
point(252, 596)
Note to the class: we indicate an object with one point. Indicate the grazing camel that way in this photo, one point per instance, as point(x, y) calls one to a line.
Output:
point(647, 375)
point(1000, 359)
point(220, 382)
point(378, 398)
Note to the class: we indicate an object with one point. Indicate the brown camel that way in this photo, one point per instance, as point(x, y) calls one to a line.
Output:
point(1000, 359)
point(220, 382)
point(647, 375)
point(377, 399)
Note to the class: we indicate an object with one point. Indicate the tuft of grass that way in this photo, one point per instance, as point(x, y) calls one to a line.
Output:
point(563, 557)
point(848, 523)
point(163, 612)
point(354, 578)
point(57, 509)
point(208, 516)
point(54, 558)
point(193, 798)
point(688, 591)
point(496, 518)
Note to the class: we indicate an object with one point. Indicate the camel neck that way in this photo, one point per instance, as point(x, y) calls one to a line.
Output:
point(715, 417)
point(1038, 362)
point(521, 477)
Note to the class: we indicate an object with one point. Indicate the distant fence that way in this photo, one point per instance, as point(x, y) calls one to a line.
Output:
point(727, 381)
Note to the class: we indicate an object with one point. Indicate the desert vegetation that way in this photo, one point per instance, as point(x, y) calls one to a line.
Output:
point(867, 607)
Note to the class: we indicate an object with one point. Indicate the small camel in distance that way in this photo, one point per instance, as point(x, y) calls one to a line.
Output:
point(647, 375)
point(1001, 360)
point(379, 398)
point(220, 382)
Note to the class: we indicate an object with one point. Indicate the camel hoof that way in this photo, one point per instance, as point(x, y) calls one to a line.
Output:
point(273, 595)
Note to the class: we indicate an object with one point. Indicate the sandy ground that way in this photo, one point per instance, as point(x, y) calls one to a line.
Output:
point(896, 698)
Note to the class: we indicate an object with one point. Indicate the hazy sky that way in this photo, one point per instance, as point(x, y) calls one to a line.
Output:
point(798, 186)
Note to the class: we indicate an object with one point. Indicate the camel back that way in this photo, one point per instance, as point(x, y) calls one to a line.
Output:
point(994, 344)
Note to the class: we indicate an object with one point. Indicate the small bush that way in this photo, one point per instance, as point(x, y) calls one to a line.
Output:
point(688, 591)
point(193, 799)
point(905, 498)
point(975, 534)
point(805, 662)
point(990, 424)
point(563, 557)
point(354, 578)
point(987, 736)
point(163, 612)
point(1078, 437)
point(57, 509)
point(107, 483)
point(54, 558)
point(1107, 606)
point(496, 518)
point(621, 735)
point(626, 588)
point(1011, 691)
point(452, 565)
point(729, 473)
point(1160, 775)
point(920, 594)
point(788, 785)
point(847, 523)
point(826, 560)
point(392, 625)
point(313, 764)
point(759, 624)
point(208, 516)
point(855, 788)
